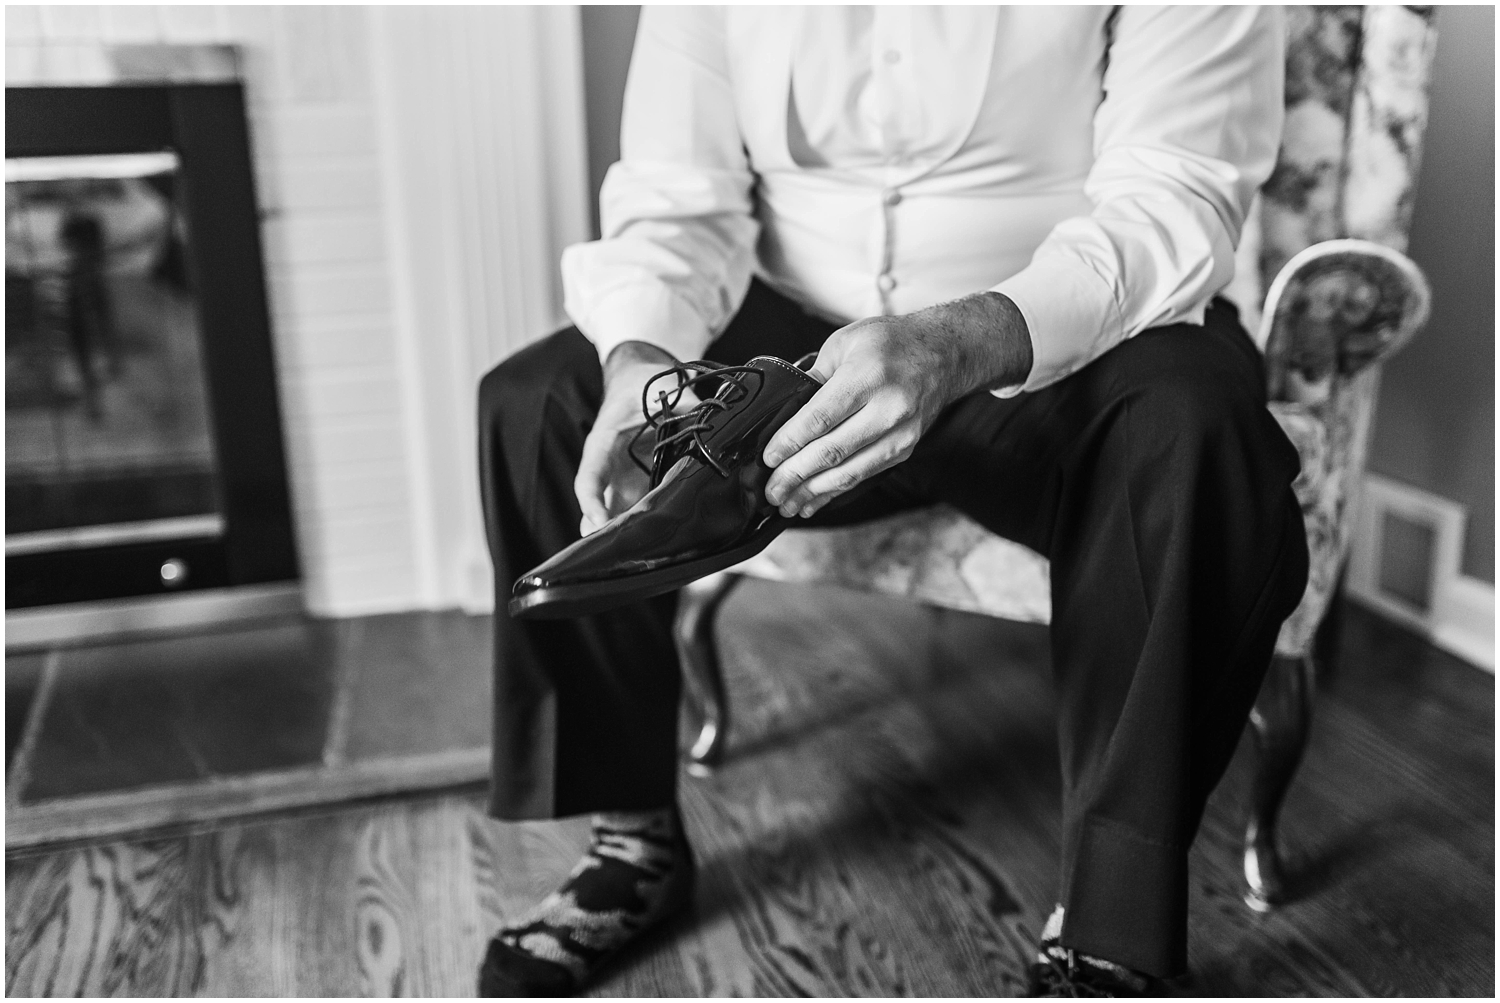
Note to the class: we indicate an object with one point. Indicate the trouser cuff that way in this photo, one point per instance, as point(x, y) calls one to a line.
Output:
point(1126, 899)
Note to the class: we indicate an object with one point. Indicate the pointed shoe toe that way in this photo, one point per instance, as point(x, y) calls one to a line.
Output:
point(706, 510)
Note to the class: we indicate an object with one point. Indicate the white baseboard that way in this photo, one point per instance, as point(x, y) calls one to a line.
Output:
point(1458, 612)
point(1465, 621)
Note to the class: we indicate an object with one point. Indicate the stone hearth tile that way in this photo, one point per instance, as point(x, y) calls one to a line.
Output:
point(169, 710)
point(23, 674)
point(419, 682)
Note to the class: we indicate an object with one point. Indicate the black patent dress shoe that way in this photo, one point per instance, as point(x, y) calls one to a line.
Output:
point(707, 507)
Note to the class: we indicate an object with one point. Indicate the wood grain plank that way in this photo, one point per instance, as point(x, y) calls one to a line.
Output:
point(886, 824)
point(846, 831)
point(385, 916)
point(122, 919)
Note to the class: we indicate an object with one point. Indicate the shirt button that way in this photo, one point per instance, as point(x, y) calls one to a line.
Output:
point(892, 197)
point(886, 282)
point(892, 56)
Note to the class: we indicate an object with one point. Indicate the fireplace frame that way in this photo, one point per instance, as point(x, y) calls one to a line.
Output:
point(206, 125)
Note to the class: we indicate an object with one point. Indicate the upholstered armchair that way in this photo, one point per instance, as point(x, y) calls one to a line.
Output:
point(1328, 233)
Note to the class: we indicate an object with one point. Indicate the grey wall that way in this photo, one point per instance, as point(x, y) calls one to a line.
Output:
point(608, 34)
point(1435, 426)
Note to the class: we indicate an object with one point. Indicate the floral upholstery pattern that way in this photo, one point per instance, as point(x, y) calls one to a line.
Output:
point(1336, 311)
point(1356, 99)
point(935, 555)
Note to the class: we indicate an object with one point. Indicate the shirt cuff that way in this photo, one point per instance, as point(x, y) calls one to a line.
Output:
point(643, 311)
point(1070, 313)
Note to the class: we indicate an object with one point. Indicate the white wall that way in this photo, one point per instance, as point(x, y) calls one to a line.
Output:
point(377, 396)
point(1435, 423)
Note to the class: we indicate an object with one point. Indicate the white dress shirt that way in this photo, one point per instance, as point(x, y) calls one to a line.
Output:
point(1093, 164)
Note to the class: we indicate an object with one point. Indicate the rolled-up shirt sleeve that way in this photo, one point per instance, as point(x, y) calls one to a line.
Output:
point(1187, 132)
point(678, 234)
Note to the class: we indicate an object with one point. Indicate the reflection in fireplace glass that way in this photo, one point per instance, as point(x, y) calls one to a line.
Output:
point(107, 434)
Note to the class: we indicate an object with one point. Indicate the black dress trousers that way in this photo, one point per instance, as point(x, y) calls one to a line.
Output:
point(1154, 480)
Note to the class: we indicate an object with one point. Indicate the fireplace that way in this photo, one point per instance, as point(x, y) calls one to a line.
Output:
point(144, 452)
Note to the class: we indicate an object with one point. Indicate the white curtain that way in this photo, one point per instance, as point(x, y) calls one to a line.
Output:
point(481, 121)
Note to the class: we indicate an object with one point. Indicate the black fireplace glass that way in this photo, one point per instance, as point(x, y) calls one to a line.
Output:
point(107, 427)
point(144, 451)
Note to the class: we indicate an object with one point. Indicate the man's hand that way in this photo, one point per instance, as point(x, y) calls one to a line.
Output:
point(886, 379)
point(608, 481)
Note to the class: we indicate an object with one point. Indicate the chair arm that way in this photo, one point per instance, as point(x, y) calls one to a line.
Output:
point(1334, 314)
point(1336, 309)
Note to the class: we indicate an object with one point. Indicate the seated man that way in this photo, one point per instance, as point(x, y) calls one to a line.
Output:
point(1001, 231)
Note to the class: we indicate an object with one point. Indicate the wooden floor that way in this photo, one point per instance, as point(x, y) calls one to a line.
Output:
point(886, 825)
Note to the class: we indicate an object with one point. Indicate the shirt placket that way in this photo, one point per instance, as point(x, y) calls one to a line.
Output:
point(891, 49)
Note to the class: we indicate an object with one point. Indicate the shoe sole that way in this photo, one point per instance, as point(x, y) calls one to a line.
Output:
point(559, 601)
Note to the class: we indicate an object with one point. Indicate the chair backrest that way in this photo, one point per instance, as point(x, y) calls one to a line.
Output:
point(1356, 103)
point(1356, 111)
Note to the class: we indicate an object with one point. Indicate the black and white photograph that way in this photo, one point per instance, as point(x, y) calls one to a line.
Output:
point(702, 501)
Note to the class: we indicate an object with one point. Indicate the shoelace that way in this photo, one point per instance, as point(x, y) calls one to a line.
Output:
point(693, 423)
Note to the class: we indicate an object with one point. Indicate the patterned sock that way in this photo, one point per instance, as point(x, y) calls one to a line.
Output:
point(637, 872)
point(1051, 931)
point(1061, 971)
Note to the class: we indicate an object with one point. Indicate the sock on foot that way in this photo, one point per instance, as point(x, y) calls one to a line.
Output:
point(638, 871)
